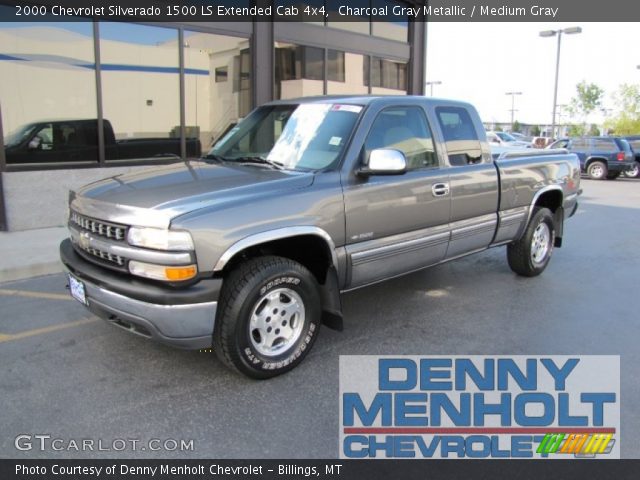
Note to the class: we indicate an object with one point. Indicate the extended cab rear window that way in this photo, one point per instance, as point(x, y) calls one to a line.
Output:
point(462, 140)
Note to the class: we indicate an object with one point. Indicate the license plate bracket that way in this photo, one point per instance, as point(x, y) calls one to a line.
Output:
point(76, 287)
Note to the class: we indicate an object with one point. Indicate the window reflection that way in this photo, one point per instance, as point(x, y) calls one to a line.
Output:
point(346, 73)
point(217, 84)
point(141, 91)
point(47, 75)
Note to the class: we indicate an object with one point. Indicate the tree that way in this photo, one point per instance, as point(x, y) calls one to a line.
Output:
point(588, 98)
point(516, 127)
point(576, 130)
point(594, 131)
point(535, 131)
point(627, 118)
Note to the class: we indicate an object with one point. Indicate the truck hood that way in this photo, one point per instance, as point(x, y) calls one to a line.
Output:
point(172, 190)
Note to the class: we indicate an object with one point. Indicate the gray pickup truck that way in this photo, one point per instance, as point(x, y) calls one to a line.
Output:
point(249, 248)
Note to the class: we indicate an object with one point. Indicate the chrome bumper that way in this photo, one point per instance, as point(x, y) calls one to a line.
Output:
point(184, 326)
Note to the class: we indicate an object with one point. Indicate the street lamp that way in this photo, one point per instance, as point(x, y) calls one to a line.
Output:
point(513, 96)
point(558, 33)
point(432, 83)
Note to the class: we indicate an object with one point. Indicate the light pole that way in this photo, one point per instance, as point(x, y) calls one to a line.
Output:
point(432, 83)
point(513, 110)
point(558, 33)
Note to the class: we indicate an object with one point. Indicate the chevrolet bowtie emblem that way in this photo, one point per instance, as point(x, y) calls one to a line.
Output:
point(84, 240)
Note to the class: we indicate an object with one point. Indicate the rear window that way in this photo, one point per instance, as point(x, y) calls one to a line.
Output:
point(624, 145)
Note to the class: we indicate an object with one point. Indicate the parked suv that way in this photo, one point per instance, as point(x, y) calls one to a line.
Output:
point(600, 157)
point(634, 141)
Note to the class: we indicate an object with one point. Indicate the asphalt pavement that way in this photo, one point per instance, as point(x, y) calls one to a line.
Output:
point(69, 375)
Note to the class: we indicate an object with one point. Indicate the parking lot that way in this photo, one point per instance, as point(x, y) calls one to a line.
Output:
point(70, 375)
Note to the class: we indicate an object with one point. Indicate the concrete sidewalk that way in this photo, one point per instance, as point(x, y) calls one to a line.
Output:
point(30, 253)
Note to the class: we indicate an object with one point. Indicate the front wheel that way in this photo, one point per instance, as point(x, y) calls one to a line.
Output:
point(268, 317)
point(530, 255)
point(597, 170)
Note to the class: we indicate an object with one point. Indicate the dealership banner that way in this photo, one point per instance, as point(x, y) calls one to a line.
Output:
point(461, 407)
point(318, 11)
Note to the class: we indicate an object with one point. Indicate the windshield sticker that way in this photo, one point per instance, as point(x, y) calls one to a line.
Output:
point(335, 141)
point(347, 108)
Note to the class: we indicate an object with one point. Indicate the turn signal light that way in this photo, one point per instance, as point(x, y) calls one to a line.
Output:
point(163, 272)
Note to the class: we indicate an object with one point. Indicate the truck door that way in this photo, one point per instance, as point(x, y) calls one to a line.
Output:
point(473, 180)
point(397, 223)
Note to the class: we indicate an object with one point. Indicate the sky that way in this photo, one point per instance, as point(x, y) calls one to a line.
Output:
point(479, 62)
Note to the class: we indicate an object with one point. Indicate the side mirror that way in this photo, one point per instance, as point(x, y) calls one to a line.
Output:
point(35, 143)
point(384, 161)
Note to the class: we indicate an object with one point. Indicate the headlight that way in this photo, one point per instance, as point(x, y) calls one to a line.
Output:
point(163, 272)
point(159, 239)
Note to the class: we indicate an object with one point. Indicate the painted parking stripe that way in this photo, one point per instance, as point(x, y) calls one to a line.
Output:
point(28, 294)
point(41, 331)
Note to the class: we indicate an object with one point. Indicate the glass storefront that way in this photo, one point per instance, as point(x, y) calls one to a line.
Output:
point(217, 84)
point(299, 71)
point(47, 74)
point(140, 89)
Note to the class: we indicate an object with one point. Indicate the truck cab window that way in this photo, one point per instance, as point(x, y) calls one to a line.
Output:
point(462, 140)
point(404, 129)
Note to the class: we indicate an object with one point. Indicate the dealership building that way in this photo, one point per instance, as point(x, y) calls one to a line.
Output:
point(75, 95)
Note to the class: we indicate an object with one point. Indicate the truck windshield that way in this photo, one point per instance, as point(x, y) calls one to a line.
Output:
point(17, 136)
point(309, 136)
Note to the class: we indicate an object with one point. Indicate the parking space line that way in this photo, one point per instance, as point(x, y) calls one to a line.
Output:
point(41, 331)
point(28, 294)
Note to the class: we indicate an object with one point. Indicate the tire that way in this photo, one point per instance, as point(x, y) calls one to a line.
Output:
point(530, 255)
point(246, 337)
point(613, 175)
point(597, 170)
point(634, 172)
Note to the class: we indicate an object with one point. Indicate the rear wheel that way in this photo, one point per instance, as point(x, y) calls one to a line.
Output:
point(530, 255)
point(268, 318)
point(634, 172)
point(597, 170)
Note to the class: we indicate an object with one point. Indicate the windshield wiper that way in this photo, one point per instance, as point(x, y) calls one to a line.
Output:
point(259, 161)
point(214, 157)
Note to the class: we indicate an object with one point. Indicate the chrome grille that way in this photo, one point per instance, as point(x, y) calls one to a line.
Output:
point(104, 229)
point(109, 257)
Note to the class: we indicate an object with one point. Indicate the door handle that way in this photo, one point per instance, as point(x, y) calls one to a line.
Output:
point(440, 189)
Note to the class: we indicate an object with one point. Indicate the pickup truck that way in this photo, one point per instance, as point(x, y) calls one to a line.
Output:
point(77, 140)
point(249, 248)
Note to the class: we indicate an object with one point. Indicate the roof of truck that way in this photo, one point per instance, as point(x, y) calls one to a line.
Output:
point(367, 99)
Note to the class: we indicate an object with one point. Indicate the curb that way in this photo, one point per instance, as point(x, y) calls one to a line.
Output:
point(29, 271)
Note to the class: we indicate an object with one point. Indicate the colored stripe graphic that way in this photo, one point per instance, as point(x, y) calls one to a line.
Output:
point(454, 430)
point(575, 443)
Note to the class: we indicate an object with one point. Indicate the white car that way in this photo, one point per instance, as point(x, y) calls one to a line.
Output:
point(505, 139)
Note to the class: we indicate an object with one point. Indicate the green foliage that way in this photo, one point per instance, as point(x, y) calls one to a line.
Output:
point(516, 127)
point(498, 128)
point(627, 118)
point(588, 98)
point(594, 131)
point(535, 131)
point(576, 130)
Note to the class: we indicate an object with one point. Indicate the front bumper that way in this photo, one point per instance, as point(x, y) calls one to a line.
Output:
point(182, 318)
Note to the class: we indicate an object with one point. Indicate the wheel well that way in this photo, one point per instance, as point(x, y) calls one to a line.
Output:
point(551, 199)
point(595, 159)
point(308, 250)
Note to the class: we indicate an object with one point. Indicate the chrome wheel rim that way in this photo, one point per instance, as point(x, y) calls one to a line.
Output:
point(541, 243)
point(276, 321)
point(597, 171)
point(633, 173)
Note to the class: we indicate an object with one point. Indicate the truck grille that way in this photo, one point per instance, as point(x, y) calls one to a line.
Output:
point(106, 256)
point(98, 227)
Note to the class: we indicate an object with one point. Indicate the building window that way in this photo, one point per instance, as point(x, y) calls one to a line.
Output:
point(221, 74)
point(387, 76)
point(335, 66)
point(139, 63)
point(215, 105)
point(299, 71)
point(47, 85)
